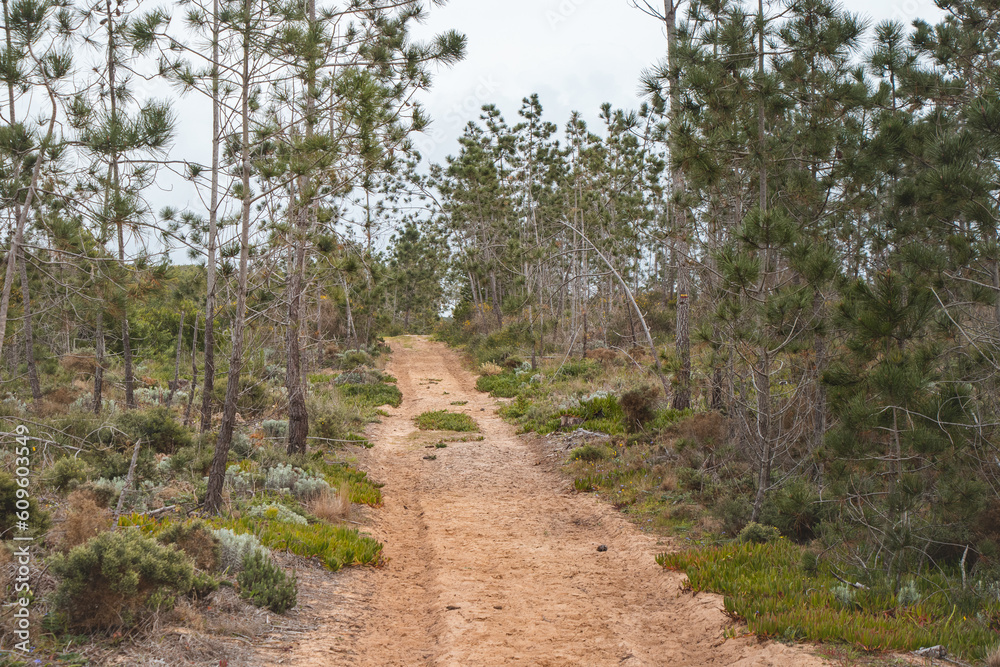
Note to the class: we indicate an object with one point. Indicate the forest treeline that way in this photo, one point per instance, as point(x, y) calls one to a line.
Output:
point(311, 109)
point(799, 226)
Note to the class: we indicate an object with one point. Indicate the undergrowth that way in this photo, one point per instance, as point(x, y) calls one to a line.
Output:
point(783, 594)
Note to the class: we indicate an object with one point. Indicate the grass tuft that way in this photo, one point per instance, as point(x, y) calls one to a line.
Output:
point(442, 420)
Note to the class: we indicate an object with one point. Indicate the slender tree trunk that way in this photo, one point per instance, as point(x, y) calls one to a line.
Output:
point(298, 416)
point(99, 362)
point(217, 472)
point(213, 226)
point(351, 334)
point(762, 369)
point(682, 395)
point(194, 372)
point(22, 214)
point(29, 332)
point(177, 362)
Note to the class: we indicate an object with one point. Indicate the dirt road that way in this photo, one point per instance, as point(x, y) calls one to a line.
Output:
point(493, 561)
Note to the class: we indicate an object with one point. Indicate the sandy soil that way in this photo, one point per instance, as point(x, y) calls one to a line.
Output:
point(494, 561)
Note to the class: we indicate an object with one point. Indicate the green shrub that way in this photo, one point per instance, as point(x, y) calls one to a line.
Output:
point(66, 474)
point(253, 396)
point(196, 539)
point(157, 427)
point(580, 368)
point(734, 512)
point(354, 358)
point(637, 405)
point(333, 546)
point(113, 578)
point(359, 376)
point(38, 520)
point(599, 406)
point(265, 584)
point(276, 512)
point(588, 453)
point(505, 385)
point(193, 459)
point(203, 584)
point(795, 509)
point(374, 395)
point(234, 548)
point(756, 533)
point(241, 446)
point(275, 428)
point(764, 586)
point(442, 420)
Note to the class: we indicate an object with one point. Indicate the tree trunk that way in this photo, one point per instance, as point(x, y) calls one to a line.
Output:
point(29, 332)
point(298, 416)
point(762, 382)
point(213, 226)
point(217, 472)
point(177, 362)
point(99, 362)
point(194, 372)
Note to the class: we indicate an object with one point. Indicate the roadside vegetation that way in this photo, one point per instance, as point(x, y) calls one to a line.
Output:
point(122, 539)
point(792, 574)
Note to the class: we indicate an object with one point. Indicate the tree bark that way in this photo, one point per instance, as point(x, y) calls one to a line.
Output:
point(177, 362)
point(29, 332)
point(99, 361)
point(194, 372)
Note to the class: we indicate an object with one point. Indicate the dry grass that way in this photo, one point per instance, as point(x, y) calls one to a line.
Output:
point(489, 368)
point(994, 659)
point(333, 506)
point(606, 356)
point(84, 519)
point(78, 363)
point(61, 396)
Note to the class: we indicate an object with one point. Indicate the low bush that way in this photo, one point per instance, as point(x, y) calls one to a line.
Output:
point(489, 368)
point(763, 584)
point(157, 427)
point(234, 547)
point(354, 358)
point(505, 385)
point(276, 429)
point(638, 407)
point(265, 584)
point(333, 546)
point(114, 579)
point(10, 514)
point(373, 395)
point(757, 533)
point(84, 519)
point(66, 474)
point(442, 420)
point(588, 453)
point(276, 512)
point(795, 509)
point(196, 539)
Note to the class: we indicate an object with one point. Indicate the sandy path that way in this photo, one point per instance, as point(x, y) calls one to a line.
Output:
point(493, 562)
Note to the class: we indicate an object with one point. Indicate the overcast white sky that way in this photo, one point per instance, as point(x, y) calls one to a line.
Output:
point(576, 54)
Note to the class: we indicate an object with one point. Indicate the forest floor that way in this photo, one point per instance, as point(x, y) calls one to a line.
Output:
point(492, 559)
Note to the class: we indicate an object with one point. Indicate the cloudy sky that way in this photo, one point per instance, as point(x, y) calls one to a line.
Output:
point(576, 54)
